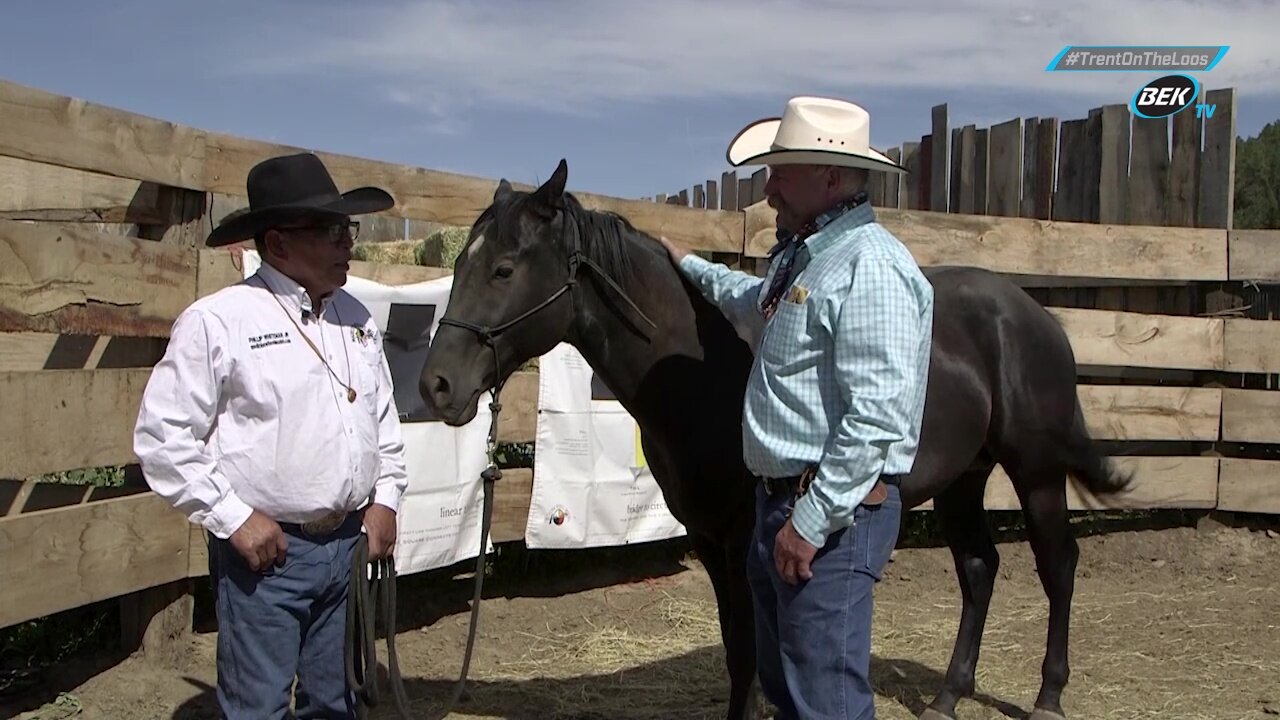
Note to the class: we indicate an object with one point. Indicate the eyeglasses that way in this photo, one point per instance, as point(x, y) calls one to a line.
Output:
point(335, 232)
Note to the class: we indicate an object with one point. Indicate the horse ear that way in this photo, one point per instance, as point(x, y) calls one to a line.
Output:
point(550, 196)
point(504, 189)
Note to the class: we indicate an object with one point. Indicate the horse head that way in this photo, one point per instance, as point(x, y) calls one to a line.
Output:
point(511, 298)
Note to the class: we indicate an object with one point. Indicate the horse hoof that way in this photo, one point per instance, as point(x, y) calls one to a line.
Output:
point(1042, 714)
point(931, 714)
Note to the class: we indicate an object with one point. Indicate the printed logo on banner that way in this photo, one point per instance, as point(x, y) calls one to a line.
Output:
point(559, 515)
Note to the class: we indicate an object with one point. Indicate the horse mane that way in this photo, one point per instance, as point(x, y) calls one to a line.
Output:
point(602, 236)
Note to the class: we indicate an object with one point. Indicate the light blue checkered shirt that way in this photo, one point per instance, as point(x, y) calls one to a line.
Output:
point(839, 377)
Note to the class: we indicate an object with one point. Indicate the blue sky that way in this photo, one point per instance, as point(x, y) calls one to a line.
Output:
point(640, 98)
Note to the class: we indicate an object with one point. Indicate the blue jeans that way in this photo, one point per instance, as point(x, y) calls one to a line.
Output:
point(287, 622)
point(813, 639)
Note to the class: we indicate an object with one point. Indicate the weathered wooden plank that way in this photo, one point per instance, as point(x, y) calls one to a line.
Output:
point(1068, 196)
point(1251, 346)
point(1251, 486)
point(1250, 416)
point(1184, 169)
point(713, 197)
point(926, 172)
point(1036, 247)
point(68, 280)
point(939, 159)
point(910, 199)
point(1005, 170)
point(1030, 133)
point(1159, 482)
point(36, 191)
point(981, 170)
point(1149, 171)
point(59, 420)
point(957, 172)
point(1046, 161)
point(455, 199)
point(1218, 162)
point(55, 560)
point(729, 190)
point(1143, 412)
point(25, 351)
point(894, 181)
point(1106, 337)
point(70, 132)
point(967, 175)
point(1113, 171)
point(1091, 163)
point(1253, 255)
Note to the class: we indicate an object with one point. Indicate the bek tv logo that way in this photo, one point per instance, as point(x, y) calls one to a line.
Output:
point(1168, 96)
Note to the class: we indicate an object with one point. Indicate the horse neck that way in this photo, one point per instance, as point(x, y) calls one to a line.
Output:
point(621, 356)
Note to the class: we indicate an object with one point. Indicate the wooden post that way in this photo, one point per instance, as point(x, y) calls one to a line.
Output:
point(729, 190)
point(966, 158)
point(940, 167)
point(892, 185)
point(157, 621)
point(910, 187)
point(1046, 160)
point(1005, 168)
point(961, 174)
point(981, 170)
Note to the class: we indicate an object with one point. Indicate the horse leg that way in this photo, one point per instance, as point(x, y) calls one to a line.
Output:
point(1041, 487)
point(964, 524)
point(726, 567)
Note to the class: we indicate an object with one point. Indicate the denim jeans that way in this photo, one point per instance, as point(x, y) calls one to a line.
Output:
point(814, 639)
point(286, 623)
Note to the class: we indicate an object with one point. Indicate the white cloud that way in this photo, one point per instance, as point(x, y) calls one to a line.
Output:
point(575, 55)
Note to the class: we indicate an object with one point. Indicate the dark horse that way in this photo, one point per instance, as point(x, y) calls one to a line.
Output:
point(539, 269)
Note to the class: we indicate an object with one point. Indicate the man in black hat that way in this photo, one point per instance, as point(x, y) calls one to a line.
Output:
point(270, 422)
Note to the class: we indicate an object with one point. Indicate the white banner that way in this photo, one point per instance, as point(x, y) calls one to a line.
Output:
point(439, 518)
point(591, 485)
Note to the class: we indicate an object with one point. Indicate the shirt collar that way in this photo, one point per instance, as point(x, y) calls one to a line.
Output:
point(851, 213)
point(293, 295)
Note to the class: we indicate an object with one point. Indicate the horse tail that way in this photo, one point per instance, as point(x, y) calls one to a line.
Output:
point(1086, 461)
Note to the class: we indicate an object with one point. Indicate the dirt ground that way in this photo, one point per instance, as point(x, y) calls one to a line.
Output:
point(1172, 623)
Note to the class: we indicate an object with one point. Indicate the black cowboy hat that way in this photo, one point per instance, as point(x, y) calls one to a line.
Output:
point(282, 189)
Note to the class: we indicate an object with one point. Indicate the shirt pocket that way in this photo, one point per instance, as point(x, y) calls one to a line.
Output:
point(787, 335)
point(368, 364)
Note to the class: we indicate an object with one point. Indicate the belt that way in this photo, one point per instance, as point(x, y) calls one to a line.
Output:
point(799, 484)
point(319, 527)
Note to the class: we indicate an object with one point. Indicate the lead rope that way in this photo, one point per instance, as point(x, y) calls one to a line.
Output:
point(368, 581)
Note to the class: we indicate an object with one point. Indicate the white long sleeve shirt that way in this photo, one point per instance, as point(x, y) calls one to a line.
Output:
point(242, 415)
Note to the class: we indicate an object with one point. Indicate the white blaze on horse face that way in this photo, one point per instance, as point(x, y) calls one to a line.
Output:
point(475, 246)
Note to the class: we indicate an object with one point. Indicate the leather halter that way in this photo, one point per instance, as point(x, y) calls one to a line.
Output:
point(577, 259)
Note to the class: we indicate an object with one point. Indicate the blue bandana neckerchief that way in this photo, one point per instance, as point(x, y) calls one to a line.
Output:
point(790, 245)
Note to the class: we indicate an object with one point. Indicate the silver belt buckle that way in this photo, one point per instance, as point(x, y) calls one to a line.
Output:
point(324, 525)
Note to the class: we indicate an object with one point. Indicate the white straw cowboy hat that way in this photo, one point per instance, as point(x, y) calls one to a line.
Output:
point(812, 131)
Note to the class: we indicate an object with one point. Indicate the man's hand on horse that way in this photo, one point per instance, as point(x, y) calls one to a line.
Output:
point(792, 555)
point(260, 542)
point(677, 254)
point(380, 526)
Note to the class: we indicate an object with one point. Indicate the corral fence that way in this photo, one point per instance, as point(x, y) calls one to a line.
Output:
point(102, 219)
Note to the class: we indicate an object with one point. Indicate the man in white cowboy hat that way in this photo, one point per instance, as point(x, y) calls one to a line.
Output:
point(270, 422)
point(834, 402)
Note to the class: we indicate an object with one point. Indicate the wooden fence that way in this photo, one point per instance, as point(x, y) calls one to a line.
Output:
point(102, 220)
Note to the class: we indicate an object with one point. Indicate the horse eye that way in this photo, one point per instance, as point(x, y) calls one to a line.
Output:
point(503, 271)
